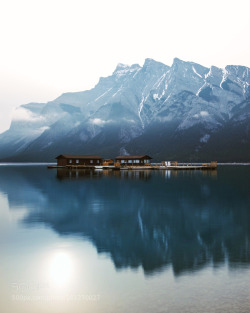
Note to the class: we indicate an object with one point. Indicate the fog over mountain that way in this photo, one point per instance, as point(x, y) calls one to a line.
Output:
point(185, 112)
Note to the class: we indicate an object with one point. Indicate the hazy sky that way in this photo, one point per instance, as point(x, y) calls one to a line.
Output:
point(53, 46)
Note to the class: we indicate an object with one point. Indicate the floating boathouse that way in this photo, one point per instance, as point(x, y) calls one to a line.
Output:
point(133, 160)
point(78, 160)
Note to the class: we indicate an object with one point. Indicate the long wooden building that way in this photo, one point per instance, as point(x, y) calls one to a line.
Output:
point(70, 159)
point(133, 160)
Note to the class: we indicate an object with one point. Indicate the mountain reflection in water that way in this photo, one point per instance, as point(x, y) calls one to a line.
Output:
point(152, 219)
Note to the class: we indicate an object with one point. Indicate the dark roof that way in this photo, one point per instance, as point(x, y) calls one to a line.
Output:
point(132, 157)
point(78, 156)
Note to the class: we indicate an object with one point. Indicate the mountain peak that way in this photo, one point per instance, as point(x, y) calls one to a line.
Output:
point(152, 65)
point(124, 68)
point(179, 64)
point(178, 61)
point(150, 62)
point(121, 66)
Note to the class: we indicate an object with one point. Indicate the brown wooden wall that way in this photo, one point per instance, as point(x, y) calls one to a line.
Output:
point(61, 162)
point(64, 162)
point(126, 163)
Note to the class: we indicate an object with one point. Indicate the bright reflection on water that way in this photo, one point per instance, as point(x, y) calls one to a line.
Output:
point(61, 268)
point(129, 241)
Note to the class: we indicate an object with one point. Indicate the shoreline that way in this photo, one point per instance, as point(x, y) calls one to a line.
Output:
point(54, 163)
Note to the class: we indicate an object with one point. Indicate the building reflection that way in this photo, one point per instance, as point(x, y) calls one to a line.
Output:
point(65, 174)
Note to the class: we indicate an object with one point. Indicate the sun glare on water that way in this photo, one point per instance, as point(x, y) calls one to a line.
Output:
point(61, 269)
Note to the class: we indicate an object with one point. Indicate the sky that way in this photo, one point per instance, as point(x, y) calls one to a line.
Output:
point(48, 47)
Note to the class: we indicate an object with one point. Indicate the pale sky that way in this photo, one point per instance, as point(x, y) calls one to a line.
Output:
point(48, 47)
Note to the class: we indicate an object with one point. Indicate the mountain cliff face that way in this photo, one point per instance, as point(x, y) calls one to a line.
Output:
point(185, 112)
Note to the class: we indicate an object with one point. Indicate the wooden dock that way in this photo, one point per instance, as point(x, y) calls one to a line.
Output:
point(189, 167)
point(176, 166)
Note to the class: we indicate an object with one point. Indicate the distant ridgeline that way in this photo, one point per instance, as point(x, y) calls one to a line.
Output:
point(185, 112)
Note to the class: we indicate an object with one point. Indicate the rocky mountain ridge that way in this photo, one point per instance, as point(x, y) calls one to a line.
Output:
point(184, 112)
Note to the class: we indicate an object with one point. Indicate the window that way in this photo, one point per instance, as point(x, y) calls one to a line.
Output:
point(70, 161)
point(129, 161)
point(91, 161)
point(77, 161)
point(122, 161)
point(136, 161)
point(97, 161)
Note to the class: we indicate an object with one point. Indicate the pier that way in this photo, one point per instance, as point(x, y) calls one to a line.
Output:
point(125, 162)
point(178, 166)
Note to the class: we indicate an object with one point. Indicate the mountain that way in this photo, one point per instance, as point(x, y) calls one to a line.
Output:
point(185, 112)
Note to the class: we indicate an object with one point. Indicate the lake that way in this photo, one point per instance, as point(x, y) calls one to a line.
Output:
point(124, 241)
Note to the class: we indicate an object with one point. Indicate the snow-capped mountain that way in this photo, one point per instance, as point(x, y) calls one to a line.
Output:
point(186, 112)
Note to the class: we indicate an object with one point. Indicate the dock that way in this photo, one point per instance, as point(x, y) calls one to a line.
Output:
point(125, 163)
point(182, 167)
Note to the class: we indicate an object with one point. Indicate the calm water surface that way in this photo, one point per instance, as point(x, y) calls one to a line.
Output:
point(142, 241)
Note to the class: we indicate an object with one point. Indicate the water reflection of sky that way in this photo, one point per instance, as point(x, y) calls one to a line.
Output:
point(161, 230)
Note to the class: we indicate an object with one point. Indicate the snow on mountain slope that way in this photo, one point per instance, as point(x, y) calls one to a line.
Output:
point(130, 103)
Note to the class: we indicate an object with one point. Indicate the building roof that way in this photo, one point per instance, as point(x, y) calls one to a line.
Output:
point(78, 156)
point(132, 157)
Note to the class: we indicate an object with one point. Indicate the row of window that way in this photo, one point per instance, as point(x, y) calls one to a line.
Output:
point(134, 161)
point(122, 161)
point(77, 161)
